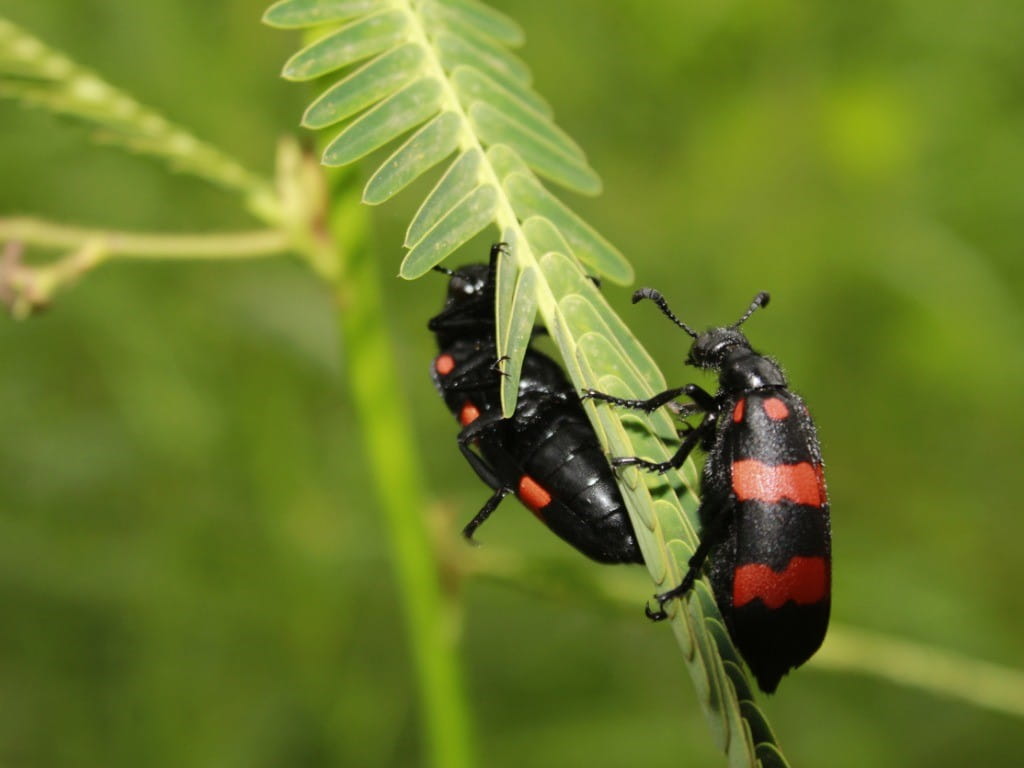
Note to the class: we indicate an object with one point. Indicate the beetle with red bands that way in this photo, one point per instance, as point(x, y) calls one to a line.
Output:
point(765, 513)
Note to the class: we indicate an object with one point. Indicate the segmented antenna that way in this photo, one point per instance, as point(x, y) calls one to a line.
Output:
point(657, 298)
point(761, 300)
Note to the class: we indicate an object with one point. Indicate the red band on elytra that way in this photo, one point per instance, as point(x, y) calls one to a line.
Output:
point(802, 483)
point(804, 581)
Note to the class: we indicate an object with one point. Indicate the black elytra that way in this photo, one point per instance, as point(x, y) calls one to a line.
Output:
point(765, 514)
point(547, 453)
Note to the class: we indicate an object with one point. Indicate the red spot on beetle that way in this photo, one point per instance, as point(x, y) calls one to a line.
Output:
point(737, 412)
point(776, 409)
point(468, 414)
point(802, 483)
point(532, 494)
point(804, 581)
point(444, 364)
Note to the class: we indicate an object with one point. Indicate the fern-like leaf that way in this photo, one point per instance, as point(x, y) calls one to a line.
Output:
point(38, 76)
point(440, 74)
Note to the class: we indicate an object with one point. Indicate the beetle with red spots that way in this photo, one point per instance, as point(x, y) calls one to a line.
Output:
point(765, 513)
point(547, 453)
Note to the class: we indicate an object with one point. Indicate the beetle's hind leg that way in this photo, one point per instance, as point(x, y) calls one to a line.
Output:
point(710, 538)
point(647, 406)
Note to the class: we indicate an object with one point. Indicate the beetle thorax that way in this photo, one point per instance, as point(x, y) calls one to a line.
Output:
point(743, 369)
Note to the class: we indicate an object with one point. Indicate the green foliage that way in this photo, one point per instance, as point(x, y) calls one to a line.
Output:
point(443, 65)
point(41, 77)
point(443, 68)
point(192, 561)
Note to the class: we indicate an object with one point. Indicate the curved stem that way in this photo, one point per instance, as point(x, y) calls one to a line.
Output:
point(25, 287)
point(932, 670)
point(145, 245)
point(37, 75)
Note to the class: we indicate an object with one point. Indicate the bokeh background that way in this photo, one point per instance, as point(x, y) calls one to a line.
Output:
point(192, 570)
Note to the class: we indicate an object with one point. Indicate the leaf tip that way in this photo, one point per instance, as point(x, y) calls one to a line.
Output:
point(280, 15)
point(329, 159)
point(407, 273)
point(292, 73)
point(590, 183)
point(622, 275)
point(269, 16)
point(309, 120)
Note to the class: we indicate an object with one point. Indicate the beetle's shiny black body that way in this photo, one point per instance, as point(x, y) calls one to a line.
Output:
point(765, 512)
point(546, 453)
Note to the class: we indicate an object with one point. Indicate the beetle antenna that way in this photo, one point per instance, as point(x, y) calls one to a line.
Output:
point(657, 298)
point(761, 300)
point(445, 271)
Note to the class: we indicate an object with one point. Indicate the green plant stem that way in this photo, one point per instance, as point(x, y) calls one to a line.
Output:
point(145, 245)
point(25, 286)
point(37, 75)
point(932, 670)
point(430, 616)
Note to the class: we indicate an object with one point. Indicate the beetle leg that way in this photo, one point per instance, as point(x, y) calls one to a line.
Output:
point(485, 511)
point(647, 406)
point(710, 538)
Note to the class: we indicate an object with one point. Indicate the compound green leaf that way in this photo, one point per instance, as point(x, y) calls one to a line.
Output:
point(545, 237)
point(704, 675)
point(483, 19)
point(506, 274)
point(499, 62)
point(524, 311)
point(294, 14)
point(447, 65)
point(555, 264)
point(461, 178)
point(583, 320)
point(739, 732)
point(760, 731)
point(770, 756)
point(470, 216)
point(386, 121)
point(366, 86)
point(353, 42)
point(503, 68)
point(422, 151)
point(530, 198)
point(472, 85)
point(505, 162)
point(547, 159)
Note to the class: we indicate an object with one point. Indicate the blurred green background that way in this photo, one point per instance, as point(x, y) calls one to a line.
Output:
point(192, 572)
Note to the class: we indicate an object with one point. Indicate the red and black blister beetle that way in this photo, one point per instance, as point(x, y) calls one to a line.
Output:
point(764, 514)
point(547, 453)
